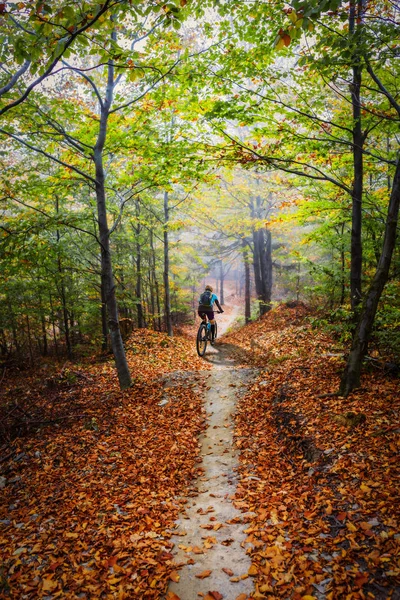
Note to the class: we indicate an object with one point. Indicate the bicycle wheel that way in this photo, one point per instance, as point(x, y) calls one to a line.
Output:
point(215, 330)
point(201, 341)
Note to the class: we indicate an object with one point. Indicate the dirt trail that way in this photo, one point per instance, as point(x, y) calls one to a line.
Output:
point(222, 543)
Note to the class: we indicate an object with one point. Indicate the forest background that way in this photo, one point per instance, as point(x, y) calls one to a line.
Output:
point(145, 144)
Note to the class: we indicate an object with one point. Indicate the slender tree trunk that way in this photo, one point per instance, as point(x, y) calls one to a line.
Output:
point(262, 260)
point(53, 324)
point(45, 350)
point(358, 142)
point(342, 270)
point(247, 305)
point(266, 268)
point(151, 282)
point(28, 326)
point(104, 323)
point(63, 298)
point(3, 343)
point(256, 256)
point(138, 288)
point(72, 328)
point(351, 376)
point(104, 235)
point(167, 291)
point(63, 294)
point(155, 281)
point(14, 329)
point(221, 285)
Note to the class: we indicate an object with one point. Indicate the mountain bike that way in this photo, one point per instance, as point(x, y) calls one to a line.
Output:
point(204, 336)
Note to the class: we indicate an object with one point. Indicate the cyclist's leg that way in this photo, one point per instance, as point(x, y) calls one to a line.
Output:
point(202, 315)
point(211, 318)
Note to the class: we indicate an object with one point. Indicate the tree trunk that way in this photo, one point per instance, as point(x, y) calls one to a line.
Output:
point(151, 274)
point(351, 376)
point(247, 305)
point(63, 295)
point(107, 275)
point(28, 326)
point(155, 281)
point(266, 268)
point(64, 308)
point(104, 324)
point(221, 285)
point(3, 343)
point(167, 292)
point(358, 142)
point(138, 288)
point(53, 325)
point(262, 260)
point(45, 350)
point(342, 269)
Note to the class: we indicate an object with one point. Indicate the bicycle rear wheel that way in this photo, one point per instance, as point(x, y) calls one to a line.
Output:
point(201, 341)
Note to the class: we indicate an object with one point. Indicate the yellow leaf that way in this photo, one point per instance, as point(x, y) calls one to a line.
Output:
point(253, 570)
point(365, 488)
point(49, 585)
point(274, 517)
point(174, 576)
point(280, 44)
point(351, 527)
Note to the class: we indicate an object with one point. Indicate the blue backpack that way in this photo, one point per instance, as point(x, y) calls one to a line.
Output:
point(206, 299)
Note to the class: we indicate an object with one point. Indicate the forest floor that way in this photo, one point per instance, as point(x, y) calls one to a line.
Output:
point(299, 501)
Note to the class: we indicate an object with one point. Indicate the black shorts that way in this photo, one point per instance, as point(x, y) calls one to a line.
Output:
point(206, 313)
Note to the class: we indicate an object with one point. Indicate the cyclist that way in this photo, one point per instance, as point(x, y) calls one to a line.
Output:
point(206, 308)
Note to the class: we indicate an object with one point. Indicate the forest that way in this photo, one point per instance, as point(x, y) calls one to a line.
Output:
point(149, 149)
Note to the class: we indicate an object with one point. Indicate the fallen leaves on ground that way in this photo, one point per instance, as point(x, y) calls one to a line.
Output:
point(89, 505)
point(325, 490)
point(203, 574)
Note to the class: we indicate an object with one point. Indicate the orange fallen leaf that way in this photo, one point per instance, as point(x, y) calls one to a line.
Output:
point(228, 571)
point(242, 597)
point(204, 574)
point(172, 596)
point(174, 576)
point(214, 596)
point(197, 550)
point(252, 570)
point(49, 585)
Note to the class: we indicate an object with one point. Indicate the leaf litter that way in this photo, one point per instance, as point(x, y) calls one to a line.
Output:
point(88, 505)
point(320, 472)
point(94, 478)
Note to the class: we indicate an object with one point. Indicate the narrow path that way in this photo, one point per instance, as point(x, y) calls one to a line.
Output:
point(210, 533)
